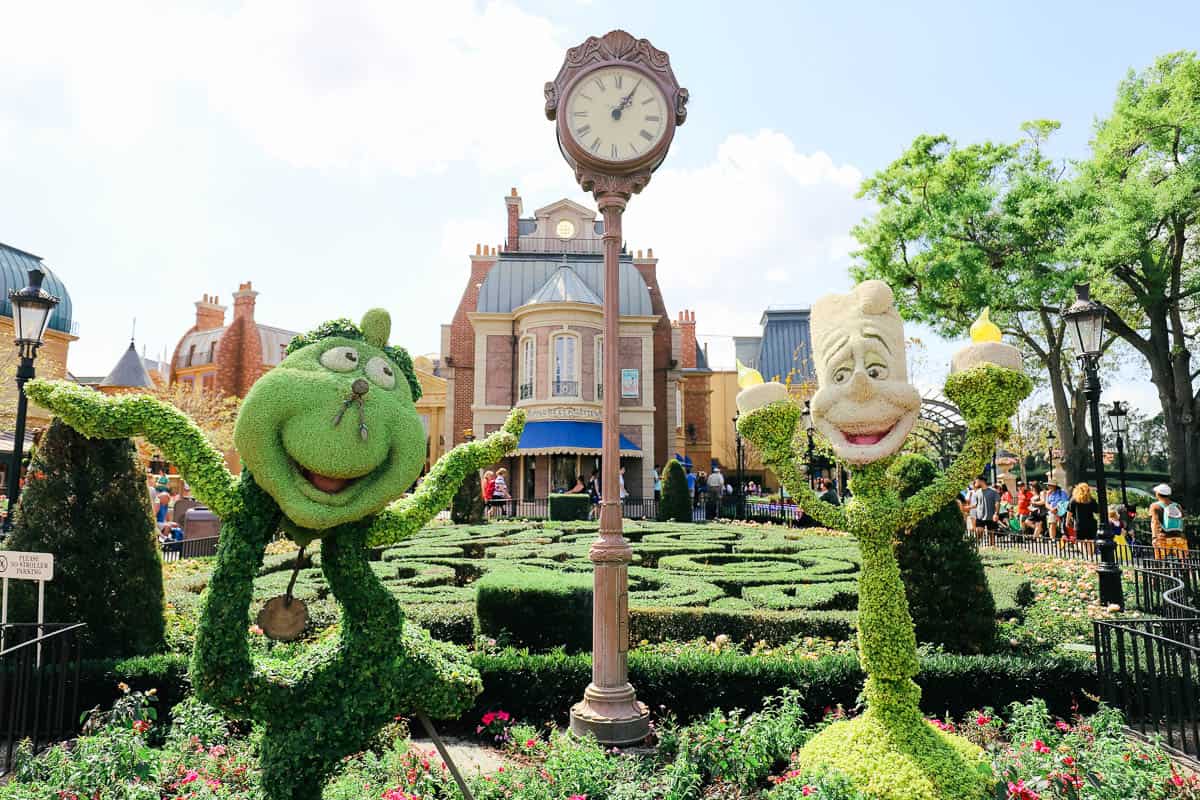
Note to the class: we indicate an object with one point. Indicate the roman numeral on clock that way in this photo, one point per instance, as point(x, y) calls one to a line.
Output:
point(580, 113)
point(583, 130)
point(613, 152)
point(617, 80)
point(652, 118)
point(599, 83)
point(647, 135)
point(595, 148)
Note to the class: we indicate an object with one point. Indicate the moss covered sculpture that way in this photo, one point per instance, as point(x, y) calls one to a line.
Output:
point(865, 408)
point(329, 439)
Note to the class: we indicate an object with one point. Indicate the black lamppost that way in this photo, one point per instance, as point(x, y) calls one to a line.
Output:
point(1118, 419)
point(1050, 453)
point(808, 429)
point(31, 310)
point(740, 497)
point(1085, 319)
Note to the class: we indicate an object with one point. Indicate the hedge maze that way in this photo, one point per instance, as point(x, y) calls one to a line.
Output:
point(529, 583)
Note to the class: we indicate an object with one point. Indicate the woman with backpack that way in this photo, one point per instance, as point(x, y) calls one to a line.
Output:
point(1166, 524)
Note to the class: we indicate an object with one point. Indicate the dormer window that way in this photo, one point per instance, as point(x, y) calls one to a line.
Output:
point(565, 229)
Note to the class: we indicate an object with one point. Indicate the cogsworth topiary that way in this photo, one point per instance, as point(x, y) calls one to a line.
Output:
point(865, 408)
point(329, 439)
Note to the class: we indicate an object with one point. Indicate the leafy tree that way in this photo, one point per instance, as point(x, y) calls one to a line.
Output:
point(213, 413)
point(85, 501)
point(960, 228)
point(1138, 233)
point(676, 501)
point(948, 594)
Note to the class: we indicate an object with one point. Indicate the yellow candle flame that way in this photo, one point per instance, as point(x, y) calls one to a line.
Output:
point(984, 330)
point(747, 377)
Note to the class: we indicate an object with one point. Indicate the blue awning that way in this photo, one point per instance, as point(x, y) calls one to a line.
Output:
point(567, 437)
point(684, 461)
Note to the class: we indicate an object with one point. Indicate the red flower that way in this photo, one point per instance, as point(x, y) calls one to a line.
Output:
point(1040, 747)
point(1019, 791)
point(141, 725)
point(189, 777)
point(982, 720)
point(489, 718)
point(530, 743)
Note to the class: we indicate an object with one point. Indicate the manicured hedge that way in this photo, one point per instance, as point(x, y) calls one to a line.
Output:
point(569, 507)
point(739, 624)
point(543, 687)
point(536, 608)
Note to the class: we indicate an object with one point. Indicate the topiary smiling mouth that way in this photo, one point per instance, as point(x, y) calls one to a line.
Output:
point(326, 483)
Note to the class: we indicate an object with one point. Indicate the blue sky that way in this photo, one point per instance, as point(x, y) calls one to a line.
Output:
point(155, 152)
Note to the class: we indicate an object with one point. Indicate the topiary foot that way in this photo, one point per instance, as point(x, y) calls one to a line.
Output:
point(894, 760)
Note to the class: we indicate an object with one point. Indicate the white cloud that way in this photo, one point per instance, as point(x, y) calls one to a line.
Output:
point(760, 224)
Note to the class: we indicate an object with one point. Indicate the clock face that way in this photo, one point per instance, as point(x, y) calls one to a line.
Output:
point(565, 229)
point(617, 113)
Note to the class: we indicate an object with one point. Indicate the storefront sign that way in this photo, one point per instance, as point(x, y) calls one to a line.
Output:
point(563, 412)
point(631, 383)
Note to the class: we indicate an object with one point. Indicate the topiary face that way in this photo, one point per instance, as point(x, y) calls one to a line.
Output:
point(332, 433)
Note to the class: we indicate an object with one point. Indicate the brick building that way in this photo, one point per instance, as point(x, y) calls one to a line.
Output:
point(528, 333)
point(228, 359)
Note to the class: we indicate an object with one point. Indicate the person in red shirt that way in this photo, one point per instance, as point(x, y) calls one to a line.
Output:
point(1024, 495)
point(489, 486)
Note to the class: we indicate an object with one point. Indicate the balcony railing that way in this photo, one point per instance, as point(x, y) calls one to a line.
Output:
point(565, 389)
point(526, 391)
point(530, 244)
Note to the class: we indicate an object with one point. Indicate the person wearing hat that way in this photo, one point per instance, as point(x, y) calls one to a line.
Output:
point(162, 496)
point(1166, 524)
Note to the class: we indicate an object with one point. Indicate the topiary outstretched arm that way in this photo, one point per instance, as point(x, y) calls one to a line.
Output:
point(772, 429)
point(407, 516)
point(102, 417)
point(987, 396)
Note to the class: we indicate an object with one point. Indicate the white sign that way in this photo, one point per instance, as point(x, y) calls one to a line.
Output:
point(26, 566)
point(563, 412)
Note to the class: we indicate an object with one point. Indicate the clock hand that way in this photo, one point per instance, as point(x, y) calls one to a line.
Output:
point(616, 114)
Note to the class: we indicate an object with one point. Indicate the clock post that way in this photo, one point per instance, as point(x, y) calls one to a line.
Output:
point(616, 103)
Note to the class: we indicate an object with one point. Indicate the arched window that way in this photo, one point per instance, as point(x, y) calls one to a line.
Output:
point(528, 365)
point(566, 366)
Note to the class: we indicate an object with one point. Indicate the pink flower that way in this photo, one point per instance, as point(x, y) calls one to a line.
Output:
point(489, 718)
point(217, 750)
point(578, 797)
point(1019, 791)
point(1176, 779)
point(503, 716)
point(1062, 726)
point(1068, 761)
point(982, 720)
point(1040, 747)
point(189, 777)
point(530, 743)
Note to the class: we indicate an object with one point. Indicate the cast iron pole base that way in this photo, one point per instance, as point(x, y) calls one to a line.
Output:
point(614, 716)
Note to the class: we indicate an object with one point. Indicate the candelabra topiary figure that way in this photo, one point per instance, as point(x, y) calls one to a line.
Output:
point(866, 408)
point(329, 438)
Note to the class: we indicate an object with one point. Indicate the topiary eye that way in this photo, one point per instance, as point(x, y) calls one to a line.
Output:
point(381, 373)
point(340, 359)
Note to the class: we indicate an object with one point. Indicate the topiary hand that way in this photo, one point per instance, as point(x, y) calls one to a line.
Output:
point(988, 396)
point(408, 515)
point(166, 427)
point(772, 429)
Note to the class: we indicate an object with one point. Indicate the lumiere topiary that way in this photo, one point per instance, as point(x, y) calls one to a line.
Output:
point(329, 439)
point(865, 408)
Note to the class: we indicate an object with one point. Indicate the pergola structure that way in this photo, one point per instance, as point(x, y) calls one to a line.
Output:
point(941, 427)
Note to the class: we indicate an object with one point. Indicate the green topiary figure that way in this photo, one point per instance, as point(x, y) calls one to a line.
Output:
point(329, 438)
point(947, 589)
point(866, 408)
point(85, 502)
point(675, 505)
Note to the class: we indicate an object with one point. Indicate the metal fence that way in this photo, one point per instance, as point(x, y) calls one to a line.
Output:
point(639, 508)
point(190, 548)
point(1150, 667)
point(39, 685)
point(1126, 554)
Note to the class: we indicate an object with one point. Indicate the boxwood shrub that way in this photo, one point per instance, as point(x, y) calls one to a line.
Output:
point(569, 507)
point(540, 609)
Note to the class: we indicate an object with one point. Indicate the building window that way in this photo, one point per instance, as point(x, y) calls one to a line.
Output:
point(566, 366)
point(528, 366)
point(563, 472)
point(599, 346)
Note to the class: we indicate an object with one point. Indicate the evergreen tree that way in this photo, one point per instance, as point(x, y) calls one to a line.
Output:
point(86, 502)
point(948, 594)
point(467, 506)
point(676, 501)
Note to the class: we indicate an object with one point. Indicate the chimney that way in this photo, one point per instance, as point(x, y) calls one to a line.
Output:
point(512, 205)
point(210, 314)
point(243, 302)
point(687, 339)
